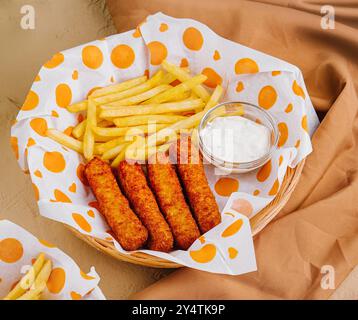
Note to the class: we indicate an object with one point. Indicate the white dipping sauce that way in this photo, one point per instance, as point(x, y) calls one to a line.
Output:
point(236, 139)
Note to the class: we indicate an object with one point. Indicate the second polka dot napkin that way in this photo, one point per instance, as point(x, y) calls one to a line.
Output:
point(19, 249)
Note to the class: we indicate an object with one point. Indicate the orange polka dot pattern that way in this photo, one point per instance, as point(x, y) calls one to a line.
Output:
point(158, 52)
point(246, 75)
point(92, 57)
point(193, 39)
point(122, 56)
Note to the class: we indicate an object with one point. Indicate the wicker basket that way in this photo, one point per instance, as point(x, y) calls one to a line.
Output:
point(258, 222)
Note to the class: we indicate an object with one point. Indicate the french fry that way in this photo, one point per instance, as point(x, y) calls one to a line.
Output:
point(44, 274)
point(153, 150)
point(149, 84)
point(65, 140)
point(183, 76)
point(161, 136)
point(193, 95)
point(27, 280)
point(101, 139)
point(183, 96)
point(140, 147)
point(103, 123)
point(112, 153)
point(103, 147)
point(123, 86)
point(170, 77)
point(117, 132)
point(141, 154)
point(124, 111)
point(120, 157)
point(145, 119)
point(136, 108)
point(109, 132)
point(194, 120)
point(214, 98)
point(131, 150)
point(33, 293)
point(173, 93)
point(39, 284)
point(141, 97)
point(194, 137)
point(79, 130)
point(77, 107)
point(88, 138)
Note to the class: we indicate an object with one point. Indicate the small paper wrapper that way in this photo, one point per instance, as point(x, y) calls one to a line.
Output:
point(19, 249)
point(246, 75)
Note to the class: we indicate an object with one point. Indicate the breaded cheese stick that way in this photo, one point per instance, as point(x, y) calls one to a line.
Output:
point(192, 175)
point(166, 186)
point(128, 229)
point(135, 187)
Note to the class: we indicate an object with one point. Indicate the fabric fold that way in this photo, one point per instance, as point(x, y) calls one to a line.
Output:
point(326, 194)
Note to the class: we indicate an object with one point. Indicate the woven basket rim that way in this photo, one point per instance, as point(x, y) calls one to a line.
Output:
point(258, 223)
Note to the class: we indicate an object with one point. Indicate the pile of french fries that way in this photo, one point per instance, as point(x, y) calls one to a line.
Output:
point(33, 283)
point(139, 117)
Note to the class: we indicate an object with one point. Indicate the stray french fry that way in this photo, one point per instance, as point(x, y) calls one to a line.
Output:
point(27, 280)
point(65, 140)
point(141, 97)
point(110, 112)
point(88, 138)
point(44, 274)
point(171, 94)
point(183, 76)
point(145, 119)
point(77, 107)
point(33, 293)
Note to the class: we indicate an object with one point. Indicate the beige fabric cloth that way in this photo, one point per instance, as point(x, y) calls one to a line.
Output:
point(319, 225)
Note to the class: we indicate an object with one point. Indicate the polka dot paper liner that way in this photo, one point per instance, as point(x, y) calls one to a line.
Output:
point(18, 250)
point(246, 75)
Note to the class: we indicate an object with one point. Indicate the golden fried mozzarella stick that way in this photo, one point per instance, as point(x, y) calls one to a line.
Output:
point(192, 175)
point(166, 186)
point(135, 187)
point(128, 229)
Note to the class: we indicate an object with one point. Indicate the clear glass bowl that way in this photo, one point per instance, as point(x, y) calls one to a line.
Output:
point(246, 110)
